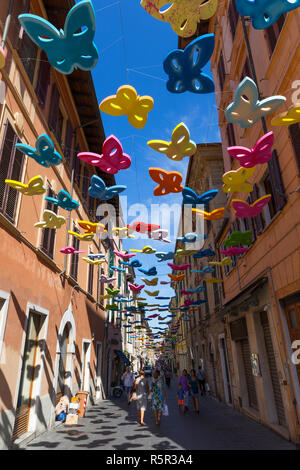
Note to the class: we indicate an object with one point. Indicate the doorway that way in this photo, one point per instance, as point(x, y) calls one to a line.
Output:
point(86, 358)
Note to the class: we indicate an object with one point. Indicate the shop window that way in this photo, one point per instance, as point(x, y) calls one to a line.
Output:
point(11, 167)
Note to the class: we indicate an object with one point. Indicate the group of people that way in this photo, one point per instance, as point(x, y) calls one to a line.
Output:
point(141, 391)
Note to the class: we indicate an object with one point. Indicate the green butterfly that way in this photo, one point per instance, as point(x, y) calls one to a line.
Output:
point(239, 238)
point(111, 307)
point(112, 291)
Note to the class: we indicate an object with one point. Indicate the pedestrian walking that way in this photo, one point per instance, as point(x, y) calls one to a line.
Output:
point(141, 388)
point(168, 376)
point(128, 381)
point(183, 380)
point(158, 396)
point(201, 377)
point(180, 398)
point(195, 389)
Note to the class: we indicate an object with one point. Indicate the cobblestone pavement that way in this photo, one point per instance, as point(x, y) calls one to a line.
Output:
point(113, 425)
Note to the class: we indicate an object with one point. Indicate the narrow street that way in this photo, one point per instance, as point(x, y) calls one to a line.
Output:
point(112, 425)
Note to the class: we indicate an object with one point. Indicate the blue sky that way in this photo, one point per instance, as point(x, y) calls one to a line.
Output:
point(132, 47)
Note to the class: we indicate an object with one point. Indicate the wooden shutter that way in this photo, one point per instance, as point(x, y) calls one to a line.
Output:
point(276, 182)
point(75, 258)
point(91, 279)
point(230, 136)
point(233, 17)
point(68, 142)
point(6, 150)
point(48, 236)
point(221, 71)
point(258, 220)
point(43, 79)
point(53, 114)
point(16, 174)
point(273, 32)
point(295, 138)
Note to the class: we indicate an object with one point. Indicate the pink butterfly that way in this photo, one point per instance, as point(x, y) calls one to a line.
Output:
point(106, 279)
point(243, 209)
point(234, 250)
point(164, 283)
point(187, 303)
point(135, 288)
point(181, 267)
point(112, 160)
point(184, 292)
point(69, 250)
point(261, 153)
point(154, 316)
point(124, 256)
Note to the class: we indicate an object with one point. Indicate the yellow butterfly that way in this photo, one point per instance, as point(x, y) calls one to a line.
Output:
point(292, 116)
point(217, 214)
point(91, 227)
point(225, 262)
point(153, 282)
point(95, 262)
point(51, 220)
point(180, 145)
point(33, 188)
point(120, 231)
point(106, 296)
point(148, 250)
point(213, 280)
point(128, 102)
point(236, 180)
point(86, 237)
point(182, 252)
point(152, 294)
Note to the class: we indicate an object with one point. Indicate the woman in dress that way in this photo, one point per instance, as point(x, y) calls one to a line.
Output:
point(158, 396)
point(194, 388)
point(141, 388)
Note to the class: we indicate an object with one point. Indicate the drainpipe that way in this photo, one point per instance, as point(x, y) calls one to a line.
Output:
point(7, 23)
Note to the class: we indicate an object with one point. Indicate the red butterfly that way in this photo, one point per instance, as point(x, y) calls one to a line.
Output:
point(243, 209)
point(112, 160)
point(142, 227)
point(135, 288)
point(181, 267)
point(261, 153)
point(169, 181)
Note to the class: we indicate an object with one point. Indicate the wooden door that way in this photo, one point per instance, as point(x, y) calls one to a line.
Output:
point(292, 313)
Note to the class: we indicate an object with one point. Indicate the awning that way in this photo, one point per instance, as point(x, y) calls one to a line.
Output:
point(123, 357)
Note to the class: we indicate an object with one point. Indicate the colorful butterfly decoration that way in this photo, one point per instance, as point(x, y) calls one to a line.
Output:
point(233, 251)
point(178, 278)
point(112, 292)
point(182, 15)
point(216, 214)
point(44, 152)
point(135, 288)
point(127, 102)
point(185, 73)
point(90, 227)
point(261, 153)
point(160, 235)
point(168, 181)
point(96, 256)
point(99, 190)
point(152, 294)
point(246, 108)
point(191, 237)
point(107, 280)
point(124, 256)
point(112, 160)
point(34, 187)
point(70, 250)
point(51, 220)
point(85, 237)
point(141, 227)
point(95, 262)
point(236, 180)
point(164, 256)
point(150, 272)
point(64, 201)
point(181, 252)
point(180, 146)
point(152, 282)
point(122, 232)
point(205, 270)
point(119, 270)
point(133, 264)
point(243, 210)
point(213, 280)
point(197, 290)
point(69, 48)
point(204, 253)
point(225, 262)
point(148, 250)
point(192, 198)
point(239, 238)
point(181, 267)
point(264, 13)
point(290, 117)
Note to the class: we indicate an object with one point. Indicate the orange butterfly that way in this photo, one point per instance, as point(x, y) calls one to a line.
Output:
point(177, 278)
point(217, 214)
point(169, 181)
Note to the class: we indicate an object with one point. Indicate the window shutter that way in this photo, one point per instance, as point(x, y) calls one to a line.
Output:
point(276, 182)
point(233, 17)
point(48, 236)
point(295, 138)
point(258, 220)
point(53, 114)
point(6, 151)
point(221, 71)
point(68, 142)
point(43, 79)
point(28, 54)
point(13, 194)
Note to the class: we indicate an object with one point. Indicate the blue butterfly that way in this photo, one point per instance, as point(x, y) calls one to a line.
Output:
point(98, 189)
point(64, 201)
point(96, 255)
point(70, 48)
point(192, 237)
point(151, 272)
point(206, 270)
point(185, 70)
point(162, 298)
point(199, 302)
point(133, 264)
point(204, 253)
point(119, 270)
point(44, 152)
point(164, 256)
point(264, 13)
point(197, 290)
point(191, 197)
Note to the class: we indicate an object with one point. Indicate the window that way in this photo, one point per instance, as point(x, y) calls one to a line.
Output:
point(230, 135)
point(11, 167)
point(221, 71)
point(233, 17)
point(68, 143)
point(91, 279)
point(48, 235)
point(271, 208)
point(216, 294)
point(273, 33)
point(86, 183)
point(246, 72)
point(278, 190)
point(43, 79)
point(77, 168)
point(75, 258)
point(53, 113)
point(28, 54)
point(295, 139)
